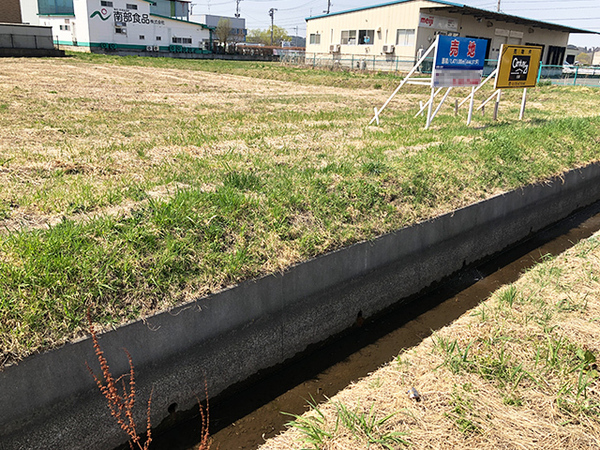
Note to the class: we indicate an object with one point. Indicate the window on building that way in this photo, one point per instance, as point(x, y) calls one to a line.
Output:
point(55, 7)
point(142, 37)
point(315, 38)
point(120, 30)
point(179, 40)
point(105, 3)
point(366, 37)
point(555, 55)
point(158, 38)
point(65, 27)
point(130, 6)
point(538, 45)
point(488, 46)
point(348, 37)
point(405, 38)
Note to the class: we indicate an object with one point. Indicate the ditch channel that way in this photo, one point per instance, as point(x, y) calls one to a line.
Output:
point(244, 417)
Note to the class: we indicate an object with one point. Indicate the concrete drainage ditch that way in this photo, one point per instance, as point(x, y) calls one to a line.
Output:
point(231, 335)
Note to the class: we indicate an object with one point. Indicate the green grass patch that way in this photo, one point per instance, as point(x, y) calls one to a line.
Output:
point(160, 188)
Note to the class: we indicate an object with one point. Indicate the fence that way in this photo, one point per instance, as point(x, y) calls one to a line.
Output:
point(571, 75)
point(564, 75)
point(374, 63)
point(26, 41)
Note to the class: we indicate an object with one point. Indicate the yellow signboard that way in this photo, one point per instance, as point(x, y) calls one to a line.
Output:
point(518, 66)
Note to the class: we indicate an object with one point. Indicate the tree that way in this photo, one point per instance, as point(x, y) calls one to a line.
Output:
point(258, 36)
point(223, 29)
point(584, 58)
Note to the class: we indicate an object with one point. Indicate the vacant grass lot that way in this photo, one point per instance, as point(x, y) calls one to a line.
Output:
point(128, 185)
point(520, 371)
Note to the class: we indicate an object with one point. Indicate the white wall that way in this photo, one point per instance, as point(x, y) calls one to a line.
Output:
point(94, 24)
point(141, 28)
point(386, 20)
point(29, 11)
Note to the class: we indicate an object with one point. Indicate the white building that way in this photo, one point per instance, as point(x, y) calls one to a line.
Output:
point(113, 25)
point(596, 57)
point(401, 28)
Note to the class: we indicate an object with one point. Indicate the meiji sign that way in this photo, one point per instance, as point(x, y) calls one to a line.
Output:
point(438, 23)
point(458, 61)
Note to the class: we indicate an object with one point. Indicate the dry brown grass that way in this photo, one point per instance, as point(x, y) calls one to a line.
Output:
point(105, 145)
point(533, 328)
point(84, 121)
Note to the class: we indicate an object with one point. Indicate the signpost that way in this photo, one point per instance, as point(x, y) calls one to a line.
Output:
point(518, 67)
point(458, 62)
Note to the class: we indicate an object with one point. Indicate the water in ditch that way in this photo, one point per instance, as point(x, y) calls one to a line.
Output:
point(244, 420)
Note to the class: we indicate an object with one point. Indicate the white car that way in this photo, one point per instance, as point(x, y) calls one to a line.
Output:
point(568, 68)
point(580, 70)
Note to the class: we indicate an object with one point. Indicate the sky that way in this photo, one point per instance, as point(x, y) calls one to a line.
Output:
point(291, 14)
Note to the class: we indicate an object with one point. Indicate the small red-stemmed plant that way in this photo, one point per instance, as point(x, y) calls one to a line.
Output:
point(121, 401)
point(205, 420)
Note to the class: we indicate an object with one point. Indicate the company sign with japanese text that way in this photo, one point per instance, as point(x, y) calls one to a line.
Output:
point(458, 61)
point(438, 23)
point(518, 66)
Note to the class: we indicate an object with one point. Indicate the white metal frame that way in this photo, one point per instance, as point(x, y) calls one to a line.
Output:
point(407, 80)
point(434, 92)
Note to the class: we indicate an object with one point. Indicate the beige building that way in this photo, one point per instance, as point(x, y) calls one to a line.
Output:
point(400, 30)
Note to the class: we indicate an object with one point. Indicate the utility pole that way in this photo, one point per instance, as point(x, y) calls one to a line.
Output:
point(272, 14)
point(237, 8)
point(499, 5)
point(328, 7)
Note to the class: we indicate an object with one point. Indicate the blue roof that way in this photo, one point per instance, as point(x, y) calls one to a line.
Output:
point(550, 25)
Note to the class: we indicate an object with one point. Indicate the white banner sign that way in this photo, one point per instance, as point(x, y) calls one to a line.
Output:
point(438, 23)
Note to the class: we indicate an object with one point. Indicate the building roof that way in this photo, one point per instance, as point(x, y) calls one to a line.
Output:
point(460, 8)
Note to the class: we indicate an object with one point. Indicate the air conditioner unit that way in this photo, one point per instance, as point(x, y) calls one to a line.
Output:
point(156, 48)
point(149, 48)
point(388, 49)
point(335, 48)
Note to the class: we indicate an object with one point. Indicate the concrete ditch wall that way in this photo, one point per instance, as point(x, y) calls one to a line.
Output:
point(50, 401)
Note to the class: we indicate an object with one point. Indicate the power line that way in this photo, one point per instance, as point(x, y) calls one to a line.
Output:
point(300, 6)
point(575, 18)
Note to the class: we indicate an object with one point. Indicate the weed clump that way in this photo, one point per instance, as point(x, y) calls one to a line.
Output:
point(120, 395)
